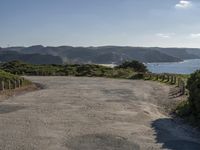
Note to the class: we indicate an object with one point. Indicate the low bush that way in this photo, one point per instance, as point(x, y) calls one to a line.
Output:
point(135, 65)
point(10, 80)
point(190, 109)
point(8, 76)
point(90, 70)
point(193, 85)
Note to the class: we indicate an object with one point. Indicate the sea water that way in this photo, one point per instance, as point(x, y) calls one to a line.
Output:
point(184, 67)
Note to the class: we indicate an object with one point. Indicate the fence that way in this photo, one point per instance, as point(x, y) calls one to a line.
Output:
point(11, 84)
point(168, 78)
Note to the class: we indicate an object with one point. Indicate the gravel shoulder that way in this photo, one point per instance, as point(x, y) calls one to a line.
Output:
point(77, 113)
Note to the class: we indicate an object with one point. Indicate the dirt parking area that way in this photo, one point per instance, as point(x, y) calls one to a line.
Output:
point(76, 113)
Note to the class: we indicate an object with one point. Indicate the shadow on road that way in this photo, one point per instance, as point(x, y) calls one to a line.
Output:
point(172, 136)
point(10, 108)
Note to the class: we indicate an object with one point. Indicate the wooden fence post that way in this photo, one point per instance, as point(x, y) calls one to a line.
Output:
point(171, 79)
point(2, 87)
point(183, 87)
point(18, 83)
point(179, 82)
point(163, 77)
point(174, 79)
point(157, 77)
point(167, 78)
point(9, 84)
point(22, 81)
point(15, 84)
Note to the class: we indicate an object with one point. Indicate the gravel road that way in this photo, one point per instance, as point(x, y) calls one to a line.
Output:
point(92, 114)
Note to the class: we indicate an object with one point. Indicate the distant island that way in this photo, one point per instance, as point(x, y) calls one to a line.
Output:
point(39, 54)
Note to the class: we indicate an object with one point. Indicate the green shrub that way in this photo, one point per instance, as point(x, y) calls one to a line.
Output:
point(138, 76)
point(20, 68)
point(10, 78)
point(193, 85)
point(183, 109)
point(135, 65)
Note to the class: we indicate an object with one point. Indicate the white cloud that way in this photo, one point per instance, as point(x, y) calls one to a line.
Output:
point(195, 35)
point(164, 35)
point(183, 4)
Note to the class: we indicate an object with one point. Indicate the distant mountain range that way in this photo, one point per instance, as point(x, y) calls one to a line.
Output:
point(100, 55)
point(6, 56)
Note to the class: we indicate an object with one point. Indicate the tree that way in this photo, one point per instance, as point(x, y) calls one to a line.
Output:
point(135, 65)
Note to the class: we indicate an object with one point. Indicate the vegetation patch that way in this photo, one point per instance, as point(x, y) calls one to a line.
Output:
point(11, 81)
point(7, 76)
point(190, 109)
point(128, 70)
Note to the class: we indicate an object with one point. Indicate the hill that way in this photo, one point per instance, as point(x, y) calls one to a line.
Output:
point(6, 56)
point(109, 54)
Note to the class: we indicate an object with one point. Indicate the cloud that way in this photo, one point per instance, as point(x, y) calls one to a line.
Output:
point(183, 4)
point(195, 35)
point(164, 35)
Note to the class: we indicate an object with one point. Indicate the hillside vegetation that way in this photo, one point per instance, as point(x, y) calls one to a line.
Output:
point(190, 109)
point(6, 56)
point(126, 70)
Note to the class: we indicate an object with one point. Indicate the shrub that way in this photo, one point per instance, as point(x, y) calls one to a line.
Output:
point(20, 68)
point(138, 76)
point(193, 86)
point(135, 65)
point(6, 77)
point(122, 73)
point(183, 109)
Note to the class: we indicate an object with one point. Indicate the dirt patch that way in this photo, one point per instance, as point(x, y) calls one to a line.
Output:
point(101, 142)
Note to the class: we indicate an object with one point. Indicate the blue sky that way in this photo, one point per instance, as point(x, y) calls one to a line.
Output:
point(164, 23)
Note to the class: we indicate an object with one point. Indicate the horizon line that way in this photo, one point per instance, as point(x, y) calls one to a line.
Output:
point(102, 46)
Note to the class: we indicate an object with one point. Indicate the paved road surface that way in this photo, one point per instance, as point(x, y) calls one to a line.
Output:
point(92, 114)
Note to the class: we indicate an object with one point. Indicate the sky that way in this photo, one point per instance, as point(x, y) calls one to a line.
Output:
point(148, 23)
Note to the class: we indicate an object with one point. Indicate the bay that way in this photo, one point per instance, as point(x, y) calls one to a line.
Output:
point(184, 67)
